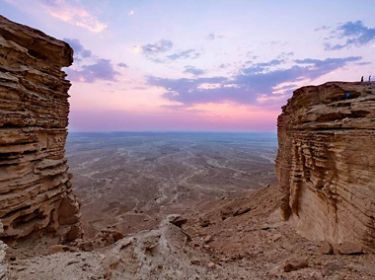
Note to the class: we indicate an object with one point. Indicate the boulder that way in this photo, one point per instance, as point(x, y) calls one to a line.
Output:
point(295, 264)
point(348, 248)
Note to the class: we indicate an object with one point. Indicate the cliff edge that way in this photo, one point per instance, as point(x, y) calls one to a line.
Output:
point(35, 187)
point(326, 163)
point(3, 270)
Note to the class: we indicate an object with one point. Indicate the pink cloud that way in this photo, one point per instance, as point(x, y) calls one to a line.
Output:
point(64, 10)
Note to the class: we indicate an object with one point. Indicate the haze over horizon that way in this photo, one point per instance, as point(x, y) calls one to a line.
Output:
point(199, 65)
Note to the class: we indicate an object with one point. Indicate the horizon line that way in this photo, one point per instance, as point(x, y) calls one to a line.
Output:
point(174, 131)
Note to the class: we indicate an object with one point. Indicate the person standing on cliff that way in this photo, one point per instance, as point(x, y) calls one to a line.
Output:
point(362, 79)
point(369, 79)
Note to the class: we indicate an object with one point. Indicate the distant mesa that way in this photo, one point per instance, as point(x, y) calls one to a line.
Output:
point(325, 162)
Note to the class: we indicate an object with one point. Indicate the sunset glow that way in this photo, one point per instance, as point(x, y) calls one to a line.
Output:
point(199, 65)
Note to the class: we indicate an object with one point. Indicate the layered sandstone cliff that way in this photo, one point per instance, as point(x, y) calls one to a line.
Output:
point(35, 187)
point(326, 162)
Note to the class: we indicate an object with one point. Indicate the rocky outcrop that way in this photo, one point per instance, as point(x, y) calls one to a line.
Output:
point(326, 162)
point(35, 187)
point(252, 245)
point(162, 253)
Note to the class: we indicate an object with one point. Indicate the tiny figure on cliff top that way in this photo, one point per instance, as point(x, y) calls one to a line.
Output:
point(369, 78)
point(362, 79)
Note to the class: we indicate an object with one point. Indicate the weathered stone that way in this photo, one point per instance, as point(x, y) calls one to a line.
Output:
point(325, 162)
point(3, 270)
point(208, 239)
point(107, 237)
point(35, 188)
point(177, 220)
point(348, 248)
point(74, 233)
point(61, 248)
point(295, 264)
point(326, 248)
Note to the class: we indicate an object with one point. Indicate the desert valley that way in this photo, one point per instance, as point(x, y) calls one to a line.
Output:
point(296, 204)
point(124, 179)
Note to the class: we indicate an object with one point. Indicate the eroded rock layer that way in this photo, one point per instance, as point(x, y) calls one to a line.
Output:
point(35, 188)
point(3, 272)
point(326, 162)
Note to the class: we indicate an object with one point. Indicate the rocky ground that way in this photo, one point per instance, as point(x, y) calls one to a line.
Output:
point(132, 180)
point(232, 238)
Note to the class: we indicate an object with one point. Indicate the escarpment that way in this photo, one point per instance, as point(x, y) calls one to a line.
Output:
point(35, 187)
point(3, 272)
point(326, 162)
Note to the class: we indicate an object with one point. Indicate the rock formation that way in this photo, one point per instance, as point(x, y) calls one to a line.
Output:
point(35, 188)
point(326, 162)
point(2, 257)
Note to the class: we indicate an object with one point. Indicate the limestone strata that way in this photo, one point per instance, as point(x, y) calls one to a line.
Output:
point(326, 162)
point(35, 187)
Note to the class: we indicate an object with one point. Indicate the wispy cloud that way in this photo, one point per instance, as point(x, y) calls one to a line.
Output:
point(352, 33)
point(73, 13)
point(185, 54)
point(80, 51)
point(65, 10)
point(262, 66)
point(102, 69)
point(157, 48)
point(257, 83)
point(322, 27)
point(213, 36)
point(193, 70)
point(122, 65)
point(160, 52)
point(155, 51)
point(89, 68)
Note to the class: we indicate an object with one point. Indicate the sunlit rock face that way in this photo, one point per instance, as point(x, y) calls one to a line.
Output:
point(35, 188)
point(326, 162)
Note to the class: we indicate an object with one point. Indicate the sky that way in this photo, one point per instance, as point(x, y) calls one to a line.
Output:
point(199, 65)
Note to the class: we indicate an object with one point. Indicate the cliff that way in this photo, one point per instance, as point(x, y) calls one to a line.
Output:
point(35, 187)
point(326, 163)
point(3, 247)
